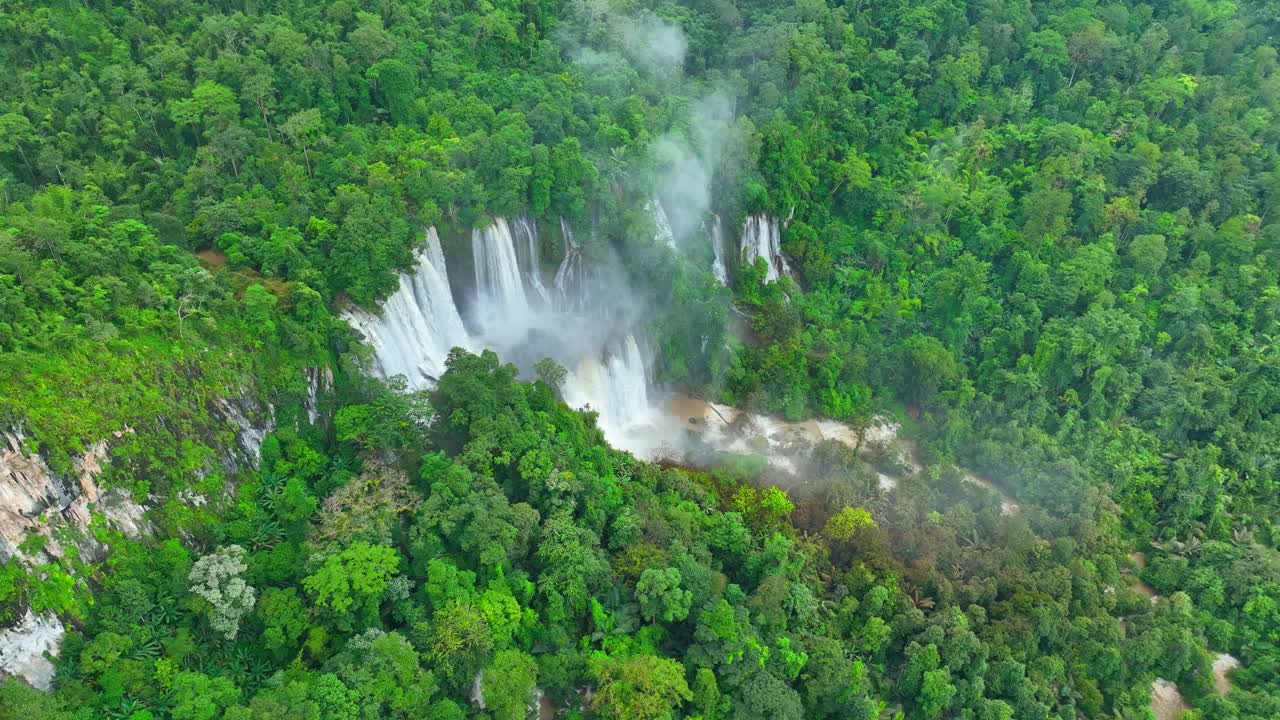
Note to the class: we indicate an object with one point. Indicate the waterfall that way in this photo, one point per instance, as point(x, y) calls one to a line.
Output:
point(617, 386)
point(717, 246)
point(627, 381)
point(498, 282)
point(418, 324)
point(525, 233)
point(761, 238)
point(664, 233)
point(570, 283)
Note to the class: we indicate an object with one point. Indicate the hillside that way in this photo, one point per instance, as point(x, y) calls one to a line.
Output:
point(608, 359)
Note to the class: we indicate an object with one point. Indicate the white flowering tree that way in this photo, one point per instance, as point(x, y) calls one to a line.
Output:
point(218, 578)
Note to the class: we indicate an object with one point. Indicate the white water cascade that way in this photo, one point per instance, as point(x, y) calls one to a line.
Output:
point(418, 324)
point(717, 246)
point(592, 336)
point(664, 234)
point(571, 282)
point(525, 233)
point(617, 386)
point(607, 366)
point(503, 303)
point(761, 238)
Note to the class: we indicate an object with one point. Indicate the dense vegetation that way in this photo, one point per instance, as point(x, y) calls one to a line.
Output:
point(1038, 233)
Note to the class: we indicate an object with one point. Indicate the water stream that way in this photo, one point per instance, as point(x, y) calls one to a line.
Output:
point(418, 324)
point(761, 238)
point(718, 267)
point(664, 234)
point(525, 232)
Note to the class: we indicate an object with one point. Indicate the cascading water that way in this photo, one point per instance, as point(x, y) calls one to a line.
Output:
point(717, 246)
point(608, 369)
point(617, 386)
point(418, 324)
point(525, 233)
point(503, 303)
point(570, 283)
point(762, 239)
point(664, 233)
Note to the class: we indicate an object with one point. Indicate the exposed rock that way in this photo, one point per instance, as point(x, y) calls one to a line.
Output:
point(34, 501)
point(25, 649)
point(1223, 664)
point(251, 424)
point(192, 498)
point(122, 513)
point(89, 465)
point(28, 491)
point(319, 384)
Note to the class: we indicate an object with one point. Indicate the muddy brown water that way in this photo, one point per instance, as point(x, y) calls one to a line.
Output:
point(1166, 700)
point(1136, 583)
point(212, 258)
point(1223, 664)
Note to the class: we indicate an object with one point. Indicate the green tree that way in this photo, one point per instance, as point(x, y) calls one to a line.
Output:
point(303, 129)
point(640, 687)
point(936, 693)
point(926, 366)
point(551, 373)
point(460, 641)
point(352, 582)
point(765, 697)
point(661, 597)
point(508, 684)
point(199, 697)
point(842, 526)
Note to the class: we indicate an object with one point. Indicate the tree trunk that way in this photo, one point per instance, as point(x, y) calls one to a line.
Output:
point(30, 170)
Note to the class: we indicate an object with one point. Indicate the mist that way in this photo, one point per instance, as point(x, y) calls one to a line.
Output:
point(686, 163)
point(646, 42)
point(587, 317)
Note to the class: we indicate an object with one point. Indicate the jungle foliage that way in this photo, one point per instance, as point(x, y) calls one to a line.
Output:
point(1038, 233)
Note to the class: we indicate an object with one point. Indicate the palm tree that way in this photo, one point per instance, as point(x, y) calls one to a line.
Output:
point(922, 603)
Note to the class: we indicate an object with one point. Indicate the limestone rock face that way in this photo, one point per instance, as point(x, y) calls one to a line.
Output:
point(319, 386)
point(36, 501)
point(249, 422)
point(31, 497)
